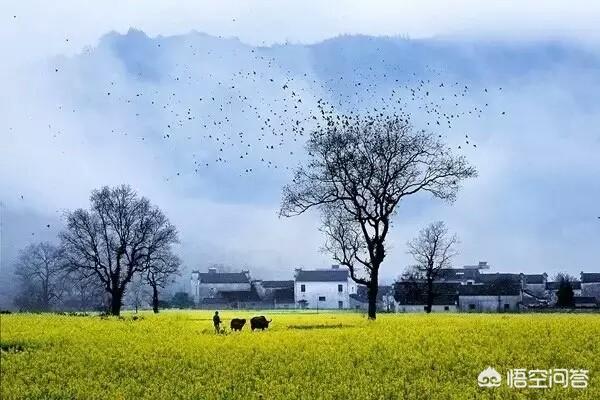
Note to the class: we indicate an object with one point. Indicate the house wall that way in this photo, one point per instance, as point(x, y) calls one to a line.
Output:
point(387, 304)
point(421, 308)
point(591, 289)
point(210, 290)
point(284, 305)
point(488, 303)
point(329, 290)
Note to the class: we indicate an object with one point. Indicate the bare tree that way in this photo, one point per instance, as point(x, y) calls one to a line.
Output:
point(137, 292)
point(358, 171)
point(432, 250)
point(113, 240)
point(40, 270)
point(159, 273)
point(84, 291)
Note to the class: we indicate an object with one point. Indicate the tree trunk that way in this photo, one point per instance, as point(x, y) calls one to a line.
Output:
point(155, 299)
point(45, 296)
point(429, 295)
point(115, 302)
point(372, 294)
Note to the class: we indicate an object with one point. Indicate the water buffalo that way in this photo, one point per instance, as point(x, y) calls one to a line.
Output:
point(237, 324)
point(259, 323)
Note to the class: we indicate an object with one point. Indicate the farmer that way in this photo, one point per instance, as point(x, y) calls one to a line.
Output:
point(217, 322)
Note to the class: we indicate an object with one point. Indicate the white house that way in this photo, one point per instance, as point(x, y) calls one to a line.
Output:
point(213, 284)
point(590, 285)
point(503, 297)
point(323, 288)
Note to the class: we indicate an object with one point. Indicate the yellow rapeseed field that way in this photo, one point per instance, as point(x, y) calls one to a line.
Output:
point(176, 355)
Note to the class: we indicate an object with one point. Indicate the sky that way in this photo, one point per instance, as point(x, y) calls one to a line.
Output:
point(533, 207)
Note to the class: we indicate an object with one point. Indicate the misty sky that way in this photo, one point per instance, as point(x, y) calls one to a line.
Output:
point(87, 101)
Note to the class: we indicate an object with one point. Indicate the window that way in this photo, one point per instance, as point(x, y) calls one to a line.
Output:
point(507, 306)
point(303, 288)
point(340, 288)
point(340, 304)
point(446, 308)
point(471, 306)
point(321, 298)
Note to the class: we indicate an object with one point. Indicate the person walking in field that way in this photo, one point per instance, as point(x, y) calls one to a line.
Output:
point(217, 322)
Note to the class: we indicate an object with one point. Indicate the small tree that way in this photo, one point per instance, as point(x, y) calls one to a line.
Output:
point(182, 300)
point(433, 250)
point(359, 169)
point(565, 295)
point(159, 274)
point(115, 238)
point(39, 269)
point(137, 292)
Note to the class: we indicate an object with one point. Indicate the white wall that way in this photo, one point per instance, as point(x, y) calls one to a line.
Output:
point(329, 290)
point(591, 289)
point(489, 303)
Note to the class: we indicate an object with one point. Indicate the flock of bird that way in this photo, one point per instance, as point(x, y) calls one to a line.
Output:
point(259, 115)
point(249, 108)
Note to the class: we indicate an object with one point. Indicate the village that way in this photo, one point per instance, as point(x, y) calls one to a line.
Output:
point(471, 288)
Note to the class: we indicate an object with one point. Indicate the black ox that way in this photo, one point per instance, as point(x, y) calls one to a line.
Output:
point(237, 324)
point(259, 323)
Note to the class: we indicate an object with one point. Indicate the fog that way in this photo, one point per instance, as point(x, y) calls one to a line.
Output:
point(533, 208)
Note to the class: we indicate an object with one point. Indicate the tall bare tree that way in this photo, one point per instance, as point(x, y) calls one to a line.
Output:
point(40, 270)
point(359, 169)
point(160, 273)
point(138, 292)
point(114, 239)
point(433, 250)
point(84, 291)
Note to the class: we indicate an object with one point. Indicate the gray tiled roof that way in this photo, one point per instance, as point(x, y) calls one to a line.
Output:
point(458, 274)
point(576, 285)
point(489, 278)
point(588, 277)
point(223, 277)
point(534, 279)
point(277, 284)
point(487, 289)
point(332, 275)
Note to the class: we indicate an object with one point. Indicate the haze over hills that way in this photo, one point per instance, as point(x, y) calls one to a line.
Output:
point(210, 129)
